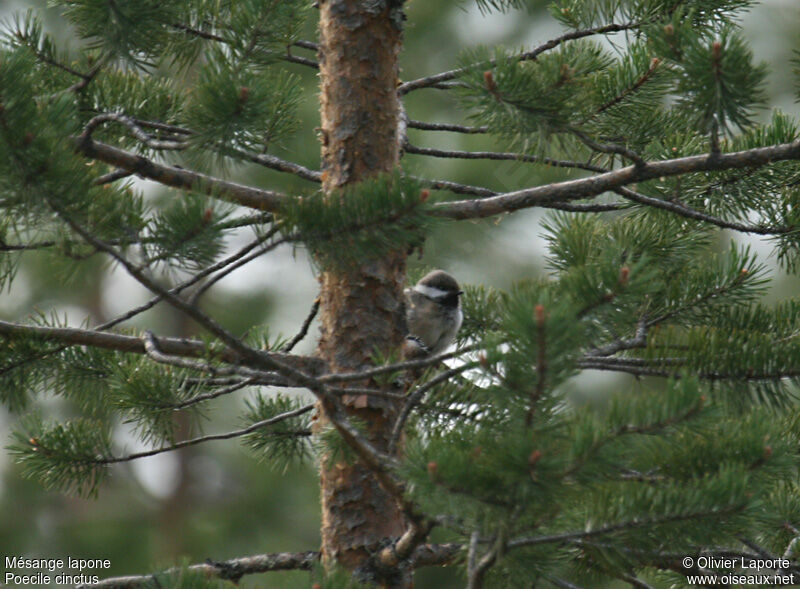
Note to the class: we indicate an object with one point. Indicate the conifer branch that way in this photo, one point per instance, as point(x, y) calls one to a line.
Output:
point(619, 345)
point(221, 265)
point(561, 192)
point(281, 165)
point(195, 32)
point(233, 569)
point(137, 131)
point(429, 81)
point(303, 328)
point(455, 187)
point(621, 526)
point(413, 399)
point(288, 57)
point(477, 572)
point(263, 159)
point(111, 341)
point(221, 392)
point(112, 177)
point(608, 148)
point(422, 125)
point(388, 369)
point(105, 460)
point(690, 213)
point(191, 311)
point(248, 196)
point(236, 264)
point(236, 568)
point(637, 85)
point(492, 155)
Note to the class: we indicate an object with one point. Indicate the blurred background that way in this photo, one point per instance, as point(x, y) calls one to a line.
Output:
point(215, 500)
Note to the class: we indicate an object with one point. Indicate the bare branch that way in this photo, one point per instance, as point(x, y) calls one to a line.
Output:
point(222, 264)
point(248, 196)
point(236, 264)
point(493, 155)
point(137, 131)
point(112, 341)
point(303, 329)
point(236, 568)
point(570, 190)
point(276, 163)
point(436, 554)
point(233, 569)
point(112, 177)
point(370, 372)
point(446, 127)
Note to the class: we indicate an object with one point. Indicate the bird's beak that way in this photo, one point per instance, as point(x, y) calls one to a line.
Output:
point(460, 292)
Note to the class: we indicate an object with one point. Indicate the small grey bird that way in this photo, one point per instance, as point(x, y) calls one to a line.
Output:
point(433, 314)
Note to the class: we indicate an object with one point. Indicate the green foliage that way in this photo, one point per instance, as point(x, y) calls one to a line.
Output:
point(188, 232)
point(239, 109)
point(665, 470)
point(531, 100)
point(360, 223)
point(141, 97)
point(480, 305)
point(283, 444)
point(65, 457)
point(587, 493)
point(720, 82)
point(699, 13)
point(133, 30)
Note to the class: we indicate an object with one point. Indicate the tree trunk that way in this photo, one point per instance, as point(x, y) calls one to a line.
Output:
point(361, 309)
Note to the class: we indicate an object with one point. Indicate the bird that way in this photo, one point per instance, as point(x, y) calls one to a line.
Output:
point(433, 314)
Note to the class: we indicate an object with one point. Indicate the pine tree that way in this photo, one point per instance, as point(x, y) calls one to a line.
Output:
point(653, 149)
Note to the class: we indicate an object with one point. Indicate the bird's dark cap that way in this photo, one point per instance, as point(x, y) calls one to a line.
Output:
point(441, 280)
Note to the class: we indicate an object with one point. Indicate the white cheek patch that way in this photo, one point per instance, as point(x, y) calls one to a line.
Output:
point(431, 291)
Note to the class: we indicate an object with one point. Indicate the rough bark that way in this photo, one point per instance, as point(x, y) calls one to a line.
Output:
point(361, 309)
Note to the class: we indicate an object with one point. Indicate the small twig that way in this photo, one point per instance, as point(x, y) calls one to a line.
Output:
point(493, 155)
point(609, 148)
point(235, 265)
point(400, 366)
point(571, 190)
point(446, 127)
point(214, 437)
point(256, 198)
point(198, 33)
point(303, 329)
point(276, 163)
point(638, 341)
point(232, 388)
point(87, 78)
point(135, 129)
point(476, 575)
point(561, 583)
point(111, 177)
point(472, 554)
point(414, 399)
